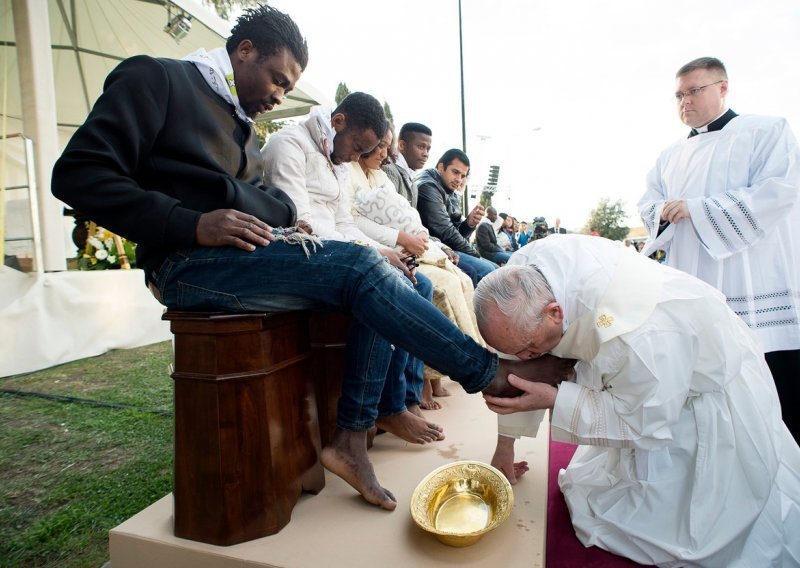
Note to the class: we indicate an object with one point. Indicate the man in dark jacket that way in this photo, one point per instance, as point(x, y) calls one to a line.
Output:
point(439, 209)
point(486, 239)
point(413, 147)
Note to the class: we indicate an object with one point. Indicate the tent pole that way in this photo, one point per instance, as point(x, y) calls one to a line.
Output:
point(465, 197)
point(32, 31)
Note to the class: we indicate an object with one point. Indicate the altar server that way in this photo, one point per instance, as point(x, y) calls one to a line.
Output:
point(723, 204)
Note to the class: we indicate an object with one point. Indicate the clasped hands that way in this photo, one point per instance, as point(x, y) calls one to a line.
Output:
point(675, 210)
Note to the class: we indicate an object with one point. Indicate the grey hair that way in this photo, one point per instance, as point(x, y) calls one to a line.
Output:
point(521, 293)
point(708, 63)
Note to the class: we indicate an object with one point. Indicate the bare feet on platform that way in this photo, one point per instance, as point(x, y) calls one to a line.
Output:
point(415, 410)
point(347, 458)
point(410, 428)
point(438, 389)
point(427, 397)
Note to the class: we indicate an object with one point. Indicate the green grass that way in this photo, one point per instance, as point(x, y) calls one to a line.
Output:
point(70, 471)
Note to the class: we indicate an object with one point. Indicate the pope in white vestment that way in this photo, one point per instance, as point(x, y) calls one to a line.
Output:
point(683, 457)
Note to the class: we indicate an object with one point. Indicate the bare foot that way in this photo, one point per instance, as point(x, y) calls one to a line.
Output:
point(415, 410)
point(438, 389)
point(427, 397)
point(545, 369)
point(410, 428)
point(347, 458)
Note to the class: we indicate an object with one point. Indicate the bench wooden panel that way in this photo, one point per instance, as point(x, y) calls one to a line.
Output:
point(247, 432)
point(328, 331)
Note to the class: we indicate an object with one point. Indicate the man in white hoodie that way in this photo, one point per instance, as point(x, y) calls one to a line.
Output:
point(309, 161)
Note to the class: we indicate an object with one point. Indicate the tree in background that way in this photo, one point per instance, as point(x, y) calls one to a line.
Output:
point(341, 92)
point(607, 219)
point(388, 112)
point(264, 128)
point(225, 7)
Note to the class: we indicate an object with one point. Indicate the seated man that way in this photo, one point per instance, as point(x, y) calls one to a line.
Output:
point(413, 147)
point(486, 239)
point(438, 205)
point(310, 162)
point(168, 158)
point(683, 457)
point(406, 157)
point(386, 216)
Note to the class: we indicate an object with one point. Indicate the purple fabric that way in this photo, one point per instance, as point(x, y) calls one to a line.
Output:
point(564, 550)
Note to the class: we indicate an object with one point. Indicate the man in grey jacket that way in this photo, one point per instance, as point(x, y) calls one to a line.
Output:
point(439, 209)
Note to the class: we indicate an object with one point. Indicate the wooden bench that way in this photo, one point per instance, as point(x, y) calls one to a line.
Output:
point(247, 420)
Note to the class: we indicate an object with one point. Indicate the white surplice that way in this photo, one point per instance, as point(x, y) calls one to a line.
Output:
point(742, 186)
point(683, 457)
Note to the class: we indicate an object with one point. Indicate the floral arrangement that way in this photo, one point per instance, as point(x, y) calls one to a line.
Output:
point(105, 250)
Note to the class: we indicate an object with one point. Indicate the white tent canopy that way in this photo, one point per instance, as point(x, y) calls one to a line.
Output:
point(90, 37)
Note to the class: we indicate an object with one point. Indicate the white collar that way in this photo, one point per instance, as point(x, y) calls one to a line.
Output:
point(401, 161)
point(594, 282)
point(322, 117)
point(703, 129)
point(216, 68)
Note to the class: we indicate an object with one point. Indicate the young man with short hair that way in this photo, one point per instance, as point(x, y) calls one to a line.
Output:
point(438, 206)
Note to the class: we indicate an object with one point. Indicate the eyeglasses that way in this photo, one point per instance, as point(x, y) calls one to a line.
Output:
point(679, 96)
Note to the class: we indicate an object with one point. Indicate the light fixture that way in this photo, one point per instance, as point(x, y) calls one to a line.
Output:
point(179, 26)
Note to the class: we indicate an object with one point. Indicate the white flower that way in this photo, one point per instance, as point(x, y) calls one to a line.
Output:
point(101, 254)
point(112, 259)
point(96, 243)
point(108, 242)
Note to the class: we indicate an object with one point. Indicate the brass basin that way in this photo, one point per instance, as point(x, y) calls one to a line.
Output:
point(462, 501)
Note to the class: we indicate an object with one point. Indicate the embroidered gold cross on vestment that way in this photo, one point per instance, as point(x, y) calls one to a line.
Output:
point(605, 321)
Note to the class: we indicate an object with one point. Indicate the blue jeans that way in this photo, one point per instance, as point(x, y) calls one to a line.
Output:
point(280, 277)
point(414, 372)
point(481, 266)
point(500, 257)
point(404, 373)
point(470, 271)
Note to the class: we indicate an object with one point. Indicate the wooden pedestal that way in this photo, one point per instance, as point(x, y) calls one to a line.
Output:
point(328, 331)
point(246, 425)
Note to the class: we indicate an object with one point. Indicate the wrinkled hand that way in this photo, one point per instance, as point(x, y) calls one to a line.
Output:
point(304, 227)
point(475, 215)
point(451, 254)
point(394, 259)
point(675, 210)
point(414, 244)
point(545, 369)
point(503, 460)
point(228, 227)
point(535, 396)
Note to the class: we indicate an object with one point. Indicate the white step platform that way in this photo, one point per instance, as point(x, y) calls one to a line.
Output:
point(338, 528)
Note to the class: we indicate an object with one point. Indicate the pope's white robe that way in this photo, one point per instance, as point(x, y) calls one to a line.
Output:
point(742, 187)
point(684, 459)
